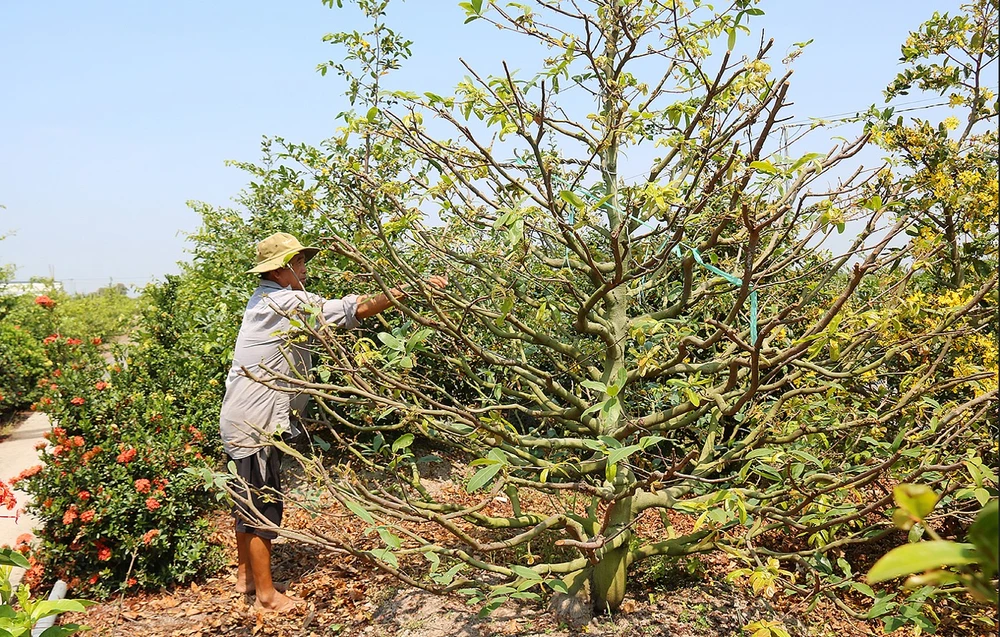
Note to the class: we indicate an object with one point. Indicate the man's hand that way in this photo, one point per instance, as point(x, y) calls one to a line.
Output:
point(440, 282)
point(372, 305)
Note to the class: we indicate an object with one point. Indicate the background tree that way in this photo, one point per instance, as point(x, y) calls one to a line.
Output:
point(949, 168)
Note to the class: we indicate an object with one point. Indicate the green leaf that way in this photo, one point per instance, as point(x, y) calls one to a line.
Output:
point(610, 442)
point(61, 631)
point(46, 607)
point(982, 496)
point(732, 39)
point(402, 442)
point(764, 167)
point(805, 159)
point(448, 576)
point(617, 455)
point(974, 472)
point(881, 606)
point(372, 113)
point(760, 453)
point(917, 500)
point(983, 534)
point(525, 573)
point(806, 457)
point(492, 606)
point(557, 585)
point(391, 341)
point(596, 386)
point(360, 511)
point(525, 595)
point(10, 557)
point(386, 556)
point(864, 589)
point(920, 557)
point(648, 441)
point(572, 198)
point(391, 540)
point(483, 477)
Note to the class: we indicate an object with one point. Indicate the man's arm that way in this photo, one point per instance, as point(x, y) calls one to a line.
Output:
point(371, 305)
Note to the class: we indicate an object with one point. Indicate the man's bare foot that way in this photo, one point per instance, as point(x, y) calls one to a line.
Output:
point(249, 588)
point(245, 586)
point(279, 603)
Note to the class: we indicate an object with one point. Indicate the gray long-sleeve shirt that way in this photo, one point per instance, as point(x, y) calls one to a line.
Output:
point(250, 407)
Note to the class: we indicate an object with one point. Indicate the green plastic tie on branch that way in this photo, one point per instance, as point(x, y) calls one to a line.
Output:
point(729, 278)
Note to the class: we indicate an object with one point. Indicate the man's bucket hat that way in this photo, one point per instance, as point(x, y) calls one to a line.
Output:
point(277, 250)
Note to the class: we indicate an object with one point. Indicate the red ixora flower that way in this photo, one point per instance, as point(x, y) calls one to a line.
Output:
point(152, 504)
point(100, 385)
point(52, 338)
point(70, 515)
point(142, 485)
point(103, 552)
point(84, 495)
point(27, 473)
point(56, 373)
point(96, 340)
point(148, 536)
point(87, 516)
point(76, 400)
point(78, 441)
point(127, 456)
point(7, 499)
point(45, 302)
point(73, 341)
point(93, 579)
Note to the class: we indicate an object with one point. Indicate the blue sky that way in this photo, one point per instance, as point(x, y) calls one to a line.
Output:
point(114, 114)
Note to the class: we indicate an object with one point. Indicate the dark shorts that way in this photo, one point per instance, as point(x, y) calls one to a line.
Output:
point(264, 493)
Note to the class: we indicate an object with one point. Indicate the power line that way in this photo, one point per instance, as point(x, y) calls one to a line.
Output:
point(849, 114)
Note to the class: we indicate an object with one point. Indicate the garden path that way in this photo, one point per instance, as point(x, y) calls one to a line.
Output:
point(17, 453)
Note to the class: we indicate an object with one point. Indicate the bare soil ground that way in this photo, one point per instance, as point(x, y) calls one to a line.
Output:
point(345, 596)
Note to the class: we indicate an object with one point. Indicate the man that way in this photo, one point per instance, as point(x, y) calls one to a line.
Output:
point(252, 412)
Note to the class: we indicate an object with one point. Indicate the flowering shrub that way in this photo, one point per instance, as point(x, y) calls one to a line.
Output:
point(22, 363)
point(116, 507)
point(104, 314)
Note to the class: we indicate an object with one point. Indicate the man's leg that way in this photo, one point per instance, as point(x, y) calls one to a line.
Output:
point(268, 596)
point(244, 572)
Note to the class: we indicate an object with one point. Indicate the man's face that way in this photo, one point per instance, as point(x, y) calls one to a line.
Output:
point(292, 275)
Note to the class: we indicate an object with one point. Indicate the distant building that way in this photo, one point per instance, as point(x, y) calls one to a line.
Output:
point(17, 288)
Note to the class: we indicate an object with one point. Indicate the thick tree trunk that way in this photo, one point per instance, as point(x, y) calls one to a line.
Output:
point(610, 574)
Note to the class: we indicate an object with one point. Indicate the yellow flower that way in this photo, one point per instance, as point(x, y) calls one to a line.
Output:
point(951, 123)
point(955, 99)
point(968, 177)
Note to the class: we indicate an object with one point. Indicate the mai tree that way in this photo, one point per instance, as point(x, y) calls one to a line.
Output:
point(950, 166)
point(654, 310)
